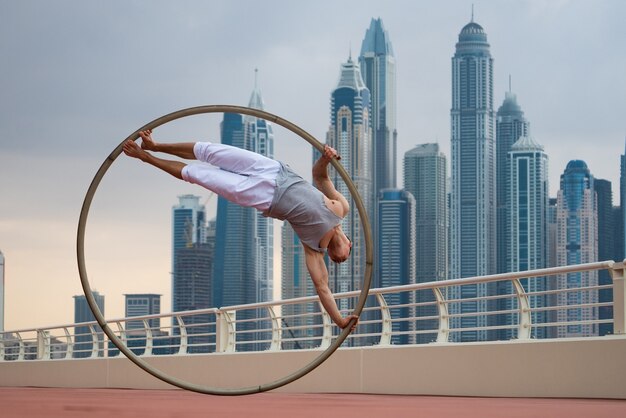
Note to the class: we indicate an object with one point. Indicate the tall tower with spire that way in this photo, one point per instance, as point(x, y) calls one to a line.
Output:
point(259, 137)
point(473, 188)
point(527, 226)
point(234, 270)
point(577, 243)
point(510, 126)
point(378, 69)
point(350, 134)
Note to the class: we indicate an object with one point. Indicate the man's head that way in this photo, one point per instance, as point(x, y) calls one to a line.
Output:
point(339, 247)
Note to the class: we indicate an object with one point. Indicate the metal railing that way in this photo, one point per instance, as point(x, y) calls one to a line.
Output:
point(523, 305)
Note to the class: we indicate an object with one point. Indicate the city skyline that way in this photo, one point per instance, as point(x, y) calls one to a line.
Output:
point(40, 211)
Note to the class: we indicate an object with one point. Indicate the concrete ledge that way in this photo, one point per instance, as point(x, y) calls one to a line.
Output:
point(564, 368)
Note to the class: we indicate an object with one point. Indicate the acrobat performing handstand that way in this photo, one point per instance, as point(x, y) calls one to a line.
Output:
point(253, 180)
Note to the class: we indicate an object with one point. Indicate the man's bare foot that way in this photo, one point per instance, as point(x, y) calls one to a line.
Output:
point(132, 149)
point(147, 142)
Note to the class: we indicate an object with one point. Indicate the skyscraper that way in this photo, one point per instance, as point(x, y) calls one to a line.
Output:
point(1, 293)
point(295, 283)
point(510, 126)
point(396, 255)
point(607, 229)
point(618, 251)
point(551, 241)
point(142, 304)
point(188, 229)
point(425, 177)
point(577, 242)
point(234, 270)
point(83, 340)
point(194, 290)
point(259, 136)
point(378, 69)
point(527, 226)
point(350, 135)
point(473, 194)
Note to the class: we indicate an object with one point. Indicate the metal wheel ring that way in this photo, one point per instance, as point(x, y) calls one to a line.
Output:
point(80, 247)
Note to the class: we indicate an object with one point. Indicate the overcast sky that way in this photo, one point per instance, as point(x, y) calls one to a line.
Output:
point(77, 77)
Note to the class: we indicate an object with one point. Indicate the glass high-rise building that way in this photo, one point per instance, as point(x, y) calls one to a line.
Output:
point(244, 249)
point(510, 126)
point(259, 137)
point(551, 240)
point(378, 69)
point(299, 320)
point(425, 177)
point(194, 289)
point(142, 304)
point(473, 187)
point(607, 228)
point(396, 256)
point(527, 228)
point(350, 135)
point(83, 340)
point(577, 243)
point(618, 250)
point(234, 269)
point(188, 230)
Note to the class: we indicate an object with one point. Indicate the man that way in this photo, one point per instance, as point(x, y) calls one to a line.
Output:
point(252, 180)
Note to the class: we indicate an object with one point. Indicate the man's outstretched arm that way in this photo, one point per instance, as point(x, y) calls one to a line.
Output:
point(323, 182)
point(319, 274)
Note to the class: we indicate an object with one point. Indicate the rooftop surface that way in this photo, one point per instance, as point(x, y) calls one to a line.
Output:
point(119, 403)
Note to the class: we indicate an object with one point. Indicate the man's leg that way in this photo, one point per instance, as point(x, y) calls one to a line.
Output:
point(175, 168)
point(236, 160)
point(249, 191)
point(226, 157)
point(182, 150)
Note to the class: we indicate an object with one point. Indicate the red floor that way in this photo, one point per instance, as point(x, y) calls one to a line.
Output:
point(119, 403)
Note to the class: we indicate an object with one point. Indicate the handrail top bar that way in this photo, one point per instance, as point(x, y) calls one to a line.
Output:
point(551, 271)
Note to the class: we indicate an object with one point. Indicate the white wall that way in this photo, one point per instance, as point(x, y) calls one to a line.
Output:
point(573, 368)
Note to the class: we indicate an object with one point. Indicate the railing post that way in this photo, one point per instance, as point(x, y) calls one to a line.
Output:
point(43, 345)
point(619, 298)
point(21, 354)
point(225, 331)
point(276, 329)
point(444, 319)
point(327, 328)
point(148, 348)
point(385, 334)
point(95, 342)
point(122, 332)
point(70, 347)
point(182, 346)
point(525, 320)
